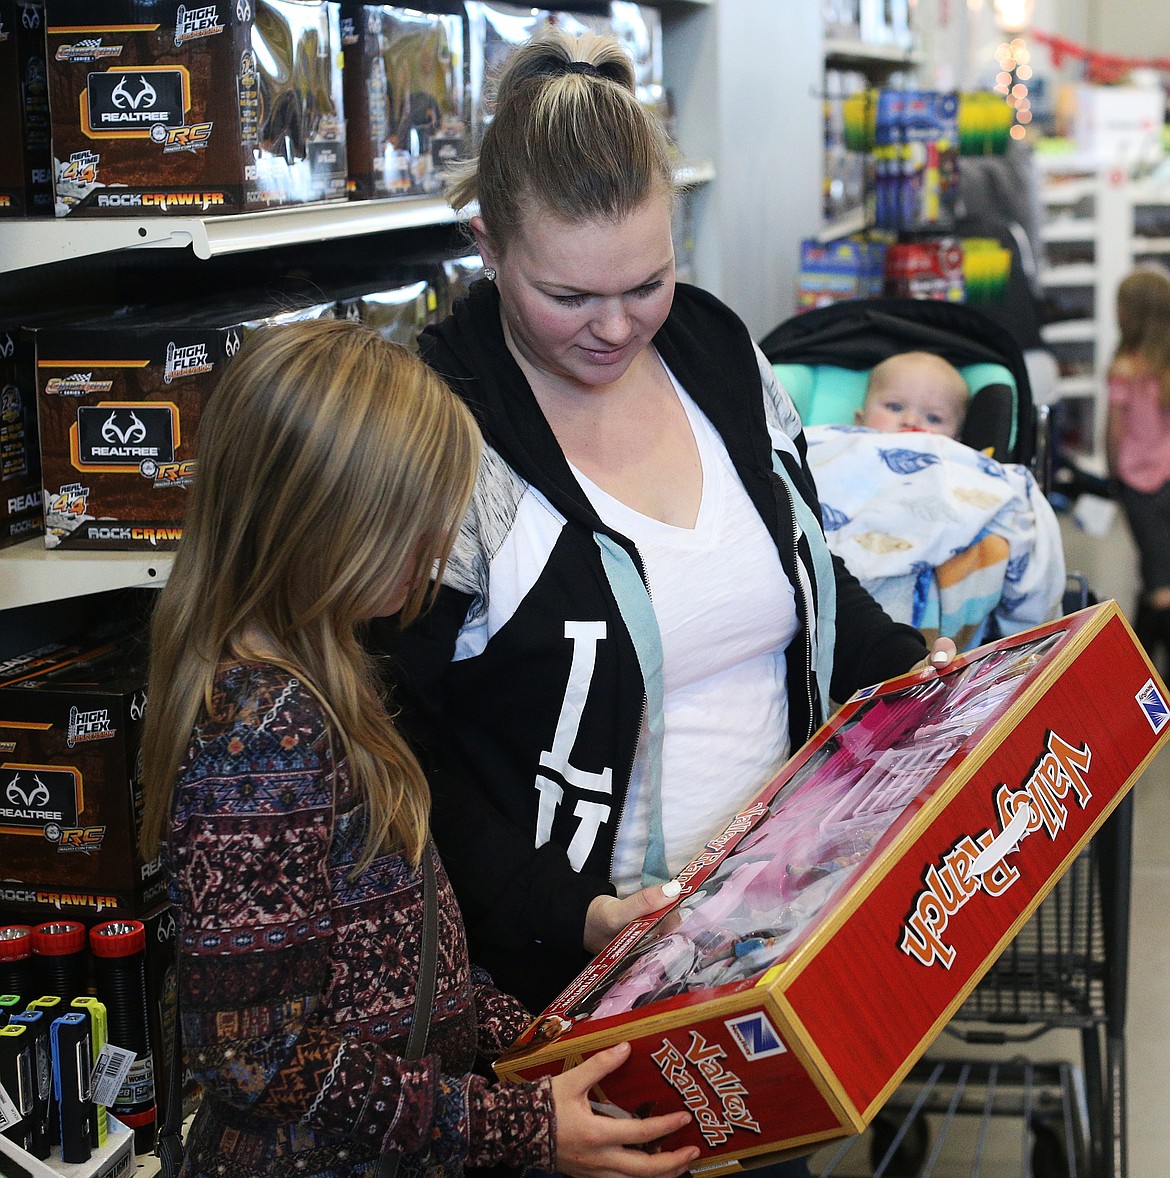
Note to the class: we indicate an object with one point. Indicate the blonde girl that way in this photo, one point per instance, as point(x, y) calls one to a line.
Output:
point(334, 469)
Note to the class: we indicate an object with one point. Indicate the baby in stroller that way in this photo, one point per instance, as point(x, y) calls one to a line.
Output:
point(949, 539)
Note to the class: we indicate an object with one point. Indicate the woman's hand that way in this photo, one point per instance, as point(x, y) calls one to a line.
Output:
point(592, 1145)
point(941, 654)
point(608, 915)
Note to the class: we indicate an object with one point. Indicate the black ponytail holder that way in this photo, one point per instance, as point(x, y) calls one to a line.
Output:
point(582, 67)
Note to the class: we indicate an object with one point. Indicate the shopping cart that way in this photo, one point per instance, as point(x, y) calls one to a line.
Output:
point(982, 1114)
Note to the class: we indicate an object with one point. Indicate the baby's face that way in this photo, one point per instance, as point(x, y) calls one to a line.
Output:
point(914, 402)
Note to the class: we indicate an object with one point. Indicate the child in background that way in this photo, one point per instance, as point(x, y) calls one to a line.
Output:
point(334, 470)
point(915, 391)
point(1137, 440)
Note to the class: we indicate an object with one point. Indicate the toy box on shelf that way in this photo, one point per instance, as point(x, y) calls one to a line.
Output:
point(168, 108)
point(21, 509)
point(70, 726)
point(119, 403)
point(26, 157)
point(405, 101)
point(836, 271)
point(822, 941)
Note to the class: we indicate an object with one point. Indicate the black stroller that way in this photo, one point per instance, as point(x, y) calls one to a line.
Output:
point(1067, 967)
point(838, 345)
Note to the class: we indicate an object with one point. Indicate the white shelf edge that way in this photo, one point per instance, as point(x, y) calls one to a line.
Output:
point(1150, 245)
point(41, 240)
point(1069, 229)
point(1069, 331)
point(690, 173)
point(1080, 274)
point(31, 574)
point(1077, 386)
point(843, 226)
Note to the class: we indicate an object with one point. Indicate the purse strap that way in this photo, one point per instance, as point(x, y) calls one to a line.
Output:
point(424, 994)
point(169, 1146)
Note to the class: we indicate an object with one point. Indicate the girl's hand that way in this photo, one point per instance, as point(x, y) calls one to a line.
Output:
point(592, 1145)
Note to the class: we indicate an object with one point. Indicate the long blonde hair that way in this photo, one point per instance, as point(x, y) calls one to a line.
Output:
point(1143, 323)
point(331, 464)
point(568, 139)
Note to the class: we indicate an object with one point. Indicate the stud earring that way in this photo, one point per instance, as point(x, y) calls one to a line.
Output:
point(489, 272)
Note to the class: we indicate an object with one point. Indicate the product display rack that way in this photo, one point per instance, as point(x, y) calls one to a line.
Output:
point(1098, 226)
point(43, 258)
point(26, 244)
point(878, 63)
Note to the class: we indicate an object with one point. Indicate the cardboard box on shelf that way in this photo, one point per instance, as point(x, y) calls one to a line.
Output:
point(119, 402)
point(823, 940)
point(26, 157)
point(21, 511)
point(70, 726)
point(405, 98)
point(165, 108)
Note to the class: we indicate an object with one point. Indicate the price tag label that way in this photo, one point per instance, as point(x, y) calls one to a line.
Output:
point(9, 1113)
point(109, 1073)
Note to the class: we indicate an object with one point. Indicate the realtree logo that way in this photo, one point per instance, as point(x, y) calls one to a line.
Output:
point(979, 862)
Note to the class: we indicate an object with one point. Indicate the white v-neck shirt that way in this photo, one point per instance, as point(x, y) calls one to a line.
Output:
point(726, 612)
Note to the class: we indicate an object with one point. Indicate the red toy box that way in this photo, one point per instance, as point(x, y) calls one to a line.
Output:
point(822, 941)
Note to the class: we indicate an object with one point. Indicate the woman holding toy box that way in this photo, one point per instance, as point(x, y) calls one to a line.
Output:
point(640, 619)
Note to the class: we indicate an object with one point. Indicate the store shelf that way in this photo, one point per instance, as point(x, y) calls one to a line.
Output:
point(1072, 275)
point(1072, 387)
point(1145, 246)
point(37, 241)
point(690, 173)
point(1070, 229)
point(1069, 331)
point(1056, 194)
point(29, 573)
point(845, 53)
point(843, 226)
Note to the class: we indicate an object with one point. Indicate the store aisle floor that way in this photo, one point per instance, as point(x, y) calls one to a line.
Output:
point(1111, 566)
point(1109, 563)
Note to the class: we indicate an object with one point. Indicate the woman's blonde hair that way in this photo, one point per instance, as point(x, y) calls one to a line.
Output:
point(331, 465)
point(567, 139)
point(1143, 322)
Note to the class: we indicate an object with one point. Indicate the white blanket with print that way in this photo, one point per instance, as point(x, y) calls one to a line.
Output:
point(948, 540)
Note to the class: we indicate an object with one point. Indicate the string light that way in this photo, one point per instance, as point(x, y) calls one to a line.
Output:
point(1011, 81)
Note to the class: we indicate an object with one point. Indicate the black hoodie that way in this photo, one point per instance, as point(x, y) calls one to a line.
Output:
point(487, 718)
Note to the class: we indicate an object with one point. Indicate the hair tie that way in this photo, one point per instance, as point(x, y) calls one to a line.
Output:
point(582, 67)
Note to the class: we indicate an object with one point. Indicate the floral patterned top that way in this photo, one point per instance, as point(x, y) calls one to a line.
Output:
point(296, 982)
